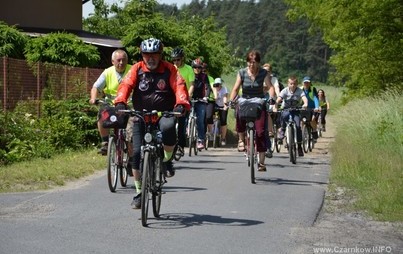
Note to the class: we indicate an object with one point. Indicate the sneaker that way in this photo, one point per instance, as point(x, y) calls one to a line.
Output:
point(241, 146)
point(323, 128)
point(200, 145)
point(169, 169)
point(300, 152)
point(269, 154)
point(261, 167)
point(180, 152)
point(136, 203)
point(104, 148)
point(223, 143)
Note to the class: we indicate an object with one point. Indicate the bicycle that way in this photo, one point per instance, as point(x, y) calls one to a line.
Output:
point(152, 154)
point(291, 135)
point(216, 130)
point(307, 139)
point(320, 126)
point(250, 111)
point(275, 144)
point(192, 128)
point(117, 153)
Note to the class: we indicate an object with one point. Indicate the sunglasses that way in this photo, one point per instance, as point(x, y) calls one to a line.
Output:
point(176, 60)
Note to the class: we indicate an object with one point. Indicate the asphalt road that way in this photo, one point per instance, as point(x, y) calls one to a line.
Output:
point(210, 206)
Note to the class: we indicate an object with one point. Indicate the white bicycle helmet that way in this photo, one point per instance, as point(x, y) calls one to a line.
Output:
point(151, 45)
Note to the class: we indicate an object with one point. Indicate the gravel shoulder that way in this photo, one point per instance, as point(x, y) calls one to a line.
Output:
point(340, 230)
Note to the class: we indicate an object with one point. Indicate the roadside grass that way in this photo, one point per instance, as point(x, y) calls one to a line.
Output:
point(42, 174)
point(367, 155)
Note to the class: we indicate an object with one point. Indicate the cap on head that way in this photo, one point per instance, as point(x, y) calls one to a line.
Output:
point(217, 82)
point(306, 79)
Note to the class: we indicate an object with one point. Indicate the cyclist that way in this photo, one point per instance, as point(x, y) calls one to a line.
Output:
point(186, 71)
point(313, 105)
point(221, 99)
point(107, 84)
point(291, 97)
point(254, 82)
point(155, 85)
point(276, 84)
point(199, 91)
point(324, 107)
point(211, 103)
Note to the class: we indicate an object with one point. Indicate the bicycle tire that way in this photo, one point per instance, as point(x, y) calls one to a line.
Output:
point(191, 135)
point(305, 138)
point(145, 187)
point(112, 169)
point(311, 144)
point(158, 180)
point(123, 160)
point(292, 147)
point(206, 141)
point(252, 155)
point(195, 149)
point(216, 138)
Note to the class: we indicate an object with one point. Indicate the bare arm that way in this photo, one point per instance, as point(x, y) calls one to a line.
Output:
point(235, 89)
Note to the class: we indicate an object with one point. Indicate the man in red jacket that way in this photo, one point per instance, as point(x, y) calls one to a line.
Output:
point(155, 85)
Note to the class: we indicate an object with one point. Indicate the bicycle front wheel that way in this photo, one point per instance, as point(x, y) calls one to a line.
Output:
point(305, 138)
point(292, 146)
point(252, 155)
point(191, 135)
point(123, 161)
point(145, 187)
point(112, 169)
point(216, 135)
point(158, 181)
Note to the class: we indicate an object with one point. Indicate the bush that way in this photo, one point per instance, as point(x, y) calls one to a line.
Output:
point(62, 125)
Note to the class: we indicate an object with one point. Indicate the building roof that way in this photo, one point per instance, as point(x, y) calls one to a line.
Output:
point(87, 37)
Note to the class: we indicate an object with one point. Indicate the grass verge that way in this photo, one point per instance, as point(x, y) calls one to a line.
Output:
point(367, 155)
point(40, 174)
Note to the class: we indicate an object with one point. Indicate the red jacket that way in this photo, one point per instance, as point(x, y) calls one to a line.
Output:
point(161, 89)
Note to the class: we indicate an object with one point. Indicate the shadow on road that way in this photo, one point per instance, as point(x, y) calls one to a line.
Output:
point(281, 181)
point(184, 220)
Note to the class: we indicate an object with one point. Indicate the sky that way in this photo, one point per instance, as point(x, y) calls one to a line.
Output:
point(88, 7)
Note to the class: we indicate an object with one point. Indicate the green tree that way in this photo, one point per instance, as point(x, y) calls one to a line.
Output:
point(138, 20)
point(62, 48)
point(12, 41)
point(366, 36)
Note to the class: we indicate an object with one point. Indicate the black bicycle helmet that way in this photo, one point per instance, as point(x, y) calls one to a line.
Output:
point(151, 45)
point(177, 52)
point(197, 63)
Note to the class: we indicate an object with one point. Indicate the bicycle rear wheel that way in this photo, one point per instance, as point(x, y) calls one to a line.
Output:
point(158, 181)
point(123, 161)
point(251, 148)
point(112, 169)
point(145, 187)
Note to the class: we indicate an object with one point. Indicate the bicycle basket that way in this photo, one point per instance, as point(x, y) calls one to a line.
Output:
point(250, 111)
point(110, 118)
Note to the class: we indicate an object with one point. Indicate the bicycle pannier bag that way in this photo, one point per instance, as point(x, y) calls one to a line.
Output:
point(110, 118)
point(250, 111)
